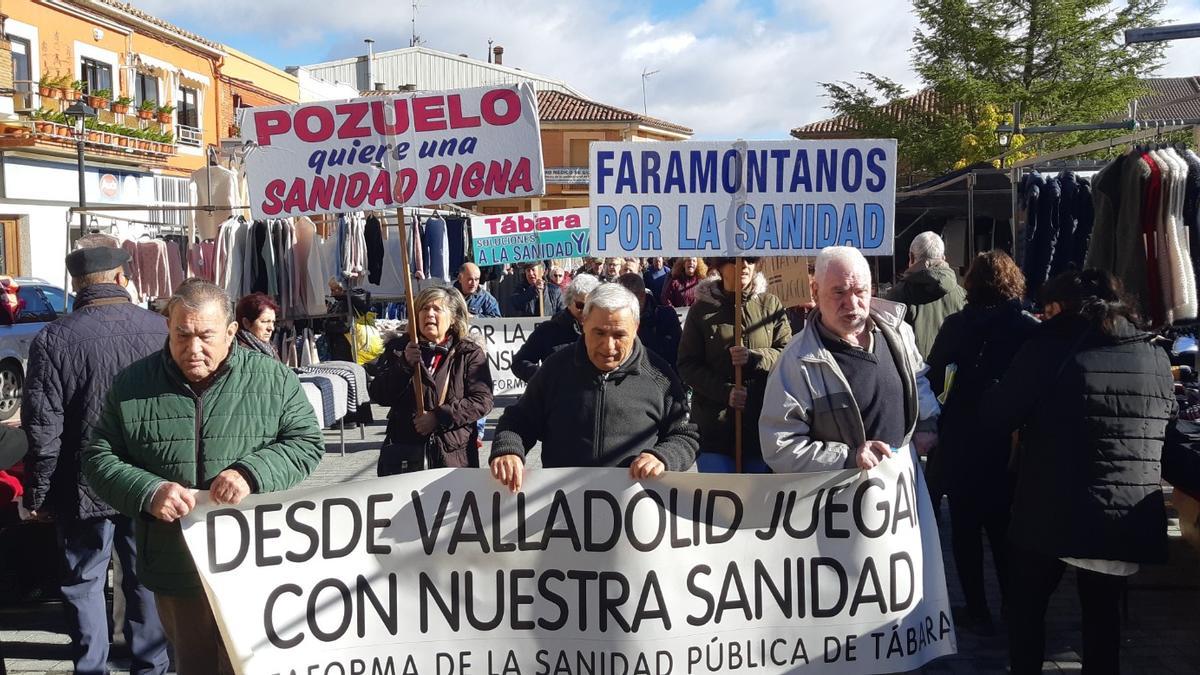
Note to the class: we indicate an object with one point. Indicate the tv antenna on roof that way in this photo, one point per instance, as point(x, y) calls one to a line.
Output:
point(416, 39)
point(645, 76)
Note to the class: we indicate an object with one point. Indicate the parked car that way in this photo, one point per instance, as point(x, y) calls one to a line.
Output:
point(43, 302)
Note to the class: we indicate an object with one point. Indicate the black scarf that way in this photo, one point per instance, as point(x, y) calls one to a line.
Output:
point(250, 341)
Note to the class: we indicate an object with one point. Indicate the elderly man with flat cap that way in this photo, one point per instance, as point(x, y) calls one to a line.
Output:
point(72, 363)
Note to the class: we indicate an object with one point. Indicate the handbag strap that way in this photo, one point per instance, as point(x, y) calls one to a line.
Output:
point(446, 383)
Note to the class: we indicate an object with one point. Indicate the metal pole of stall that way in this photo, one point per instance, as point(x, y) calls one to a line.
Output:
point(970, 217)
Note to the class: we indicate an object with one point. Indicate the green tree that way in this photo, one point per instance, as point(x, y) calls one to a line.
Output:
point(1063, 60)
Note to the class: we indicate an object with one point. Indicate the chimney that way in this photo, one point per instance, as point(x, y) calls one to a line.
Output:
point(379, 86)
point(370, 62)
point(498, 51)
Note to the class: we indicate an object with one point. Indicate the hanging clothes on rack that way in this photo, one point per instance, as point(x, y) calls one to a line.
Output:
point(311, 267)
point(1145, 229)
point(373, 236)
point(213, 186)
point(433, 249)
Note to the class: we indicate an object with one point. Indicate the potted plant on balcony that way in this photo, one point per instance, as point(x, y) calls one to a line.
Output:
point(93, 133)
point(120, 106)
point(41, 121)
point(74, 89)
point(48, 86)
point(147, 110)
point(99, 99)
point(164, 114)
point(168, 140)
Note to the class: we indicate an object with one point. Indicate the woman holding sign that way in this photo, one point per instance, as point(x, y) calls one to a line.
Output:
point(708, 355)
point(457, 389)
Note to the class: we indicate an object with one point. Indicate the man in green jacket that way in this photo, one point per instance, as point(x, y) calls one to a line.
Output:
point(199, 415)
point(929, 289)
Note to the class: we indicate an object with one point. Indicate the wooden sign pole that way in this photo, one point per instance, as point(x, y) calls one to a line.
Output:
point(737, 370)
point(414, 334)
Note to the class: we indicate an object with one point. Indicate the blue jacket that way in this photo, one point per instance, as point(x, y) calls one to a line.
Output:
point(72, 363)
point(480, 303)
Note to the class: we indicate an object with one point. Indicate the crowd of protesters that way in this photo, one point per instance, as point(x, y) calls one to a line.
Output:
point(120, 400)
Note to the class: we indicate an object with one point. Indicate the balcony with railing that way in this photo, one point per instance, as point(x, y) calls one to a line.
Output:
point(116, 131)
point(186, 135)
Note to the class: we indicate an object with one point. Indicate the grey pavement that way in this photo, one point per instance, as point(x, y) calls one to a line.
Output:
point(1161, 633)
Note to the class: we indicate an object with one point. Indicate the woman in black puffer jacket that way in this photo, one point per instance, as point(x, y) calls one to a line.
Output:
point(1092, 397)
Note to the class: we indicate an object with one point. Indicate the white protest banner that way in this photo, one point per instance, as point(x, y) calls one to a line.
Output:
point(445, 572)
point(390, 151)
point(523, 237)
point(760, 198)
point(502, 338)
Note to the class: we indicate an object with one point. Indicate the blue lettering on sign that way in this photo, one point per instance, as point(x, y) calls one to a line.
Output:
point(827, 171)
point(627, 227)
point(800, 177)
point(710, 236)
point(810, 217)
point(873, 225)
point(606, 224)
point(651, 221)
point(603, 170)
point(756, 170)
point(675, 182)
point(650, 163)
point(626, 174)
point(745, 225)
point(852, 171)
point(704, 172)
point(826, 225)
point(768, 233)
point(686, 243)
point(848, 230)
point(874, 157)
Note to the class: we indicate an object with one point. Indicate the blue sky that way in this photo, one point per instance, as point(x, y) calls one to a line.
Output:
point(727, 68)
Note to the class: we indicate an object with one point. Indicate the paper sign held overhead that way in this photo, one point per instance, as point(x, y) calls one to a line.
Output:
point(760, 198)
point(385, 152)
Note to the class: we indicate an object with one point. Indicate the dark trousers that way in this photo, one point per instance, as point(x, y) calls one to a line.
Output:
point(87, 547)
point(1099, 600)
point(969, 520)
point(192, 628)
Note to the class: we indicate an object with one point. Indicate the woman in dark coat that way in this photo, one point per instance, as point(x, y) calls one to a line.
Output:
point(972, 351)
point(448, 360)
point(1092, 397)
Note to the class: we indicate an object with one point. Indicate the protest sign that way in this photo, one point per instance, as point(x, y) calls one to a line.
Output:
point(502, 338)
point(390, 151)
point(444, 572)
point(524, 237)
point(762, 198)
point(787, 279)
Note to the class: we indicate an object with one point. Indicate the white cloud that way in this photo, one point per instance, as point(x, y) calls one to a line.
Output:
point(726, 68)
point(1182, 56)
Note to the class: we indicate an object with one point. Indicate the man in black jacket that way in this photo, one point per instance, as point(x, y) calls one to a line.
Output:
point(607, 401)
point(72, 362)
point(562, 329)
point(535, 297)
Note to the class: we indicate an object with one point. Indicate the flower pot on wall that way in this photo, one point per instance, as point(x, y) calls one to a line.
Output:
point(145, 114)
point(120, 108)
point(164, 118)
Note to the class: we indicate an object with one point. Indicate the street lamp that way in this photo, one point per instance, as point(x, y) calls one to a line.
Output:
point(80, 112)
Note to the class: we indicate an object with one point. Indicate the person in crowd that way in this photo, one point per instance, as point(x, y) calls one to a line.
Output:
point(857, 350)
point(457, 389)
point(972, 351)
point(1092, 398)
point(708, 356)
point(505, 286)
point(338, 327)
point(590, 266)
point(72, 363)
point(680, 289)
point(611, 269)
point(655, 276)
point(536, 297)
point(480, 303)
point(631, 266)
point(258, 434)
point(255, 314)
point(605, 401)
point(929, 289)
point(562, 329)
point(659, 328)
point(557, 276)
